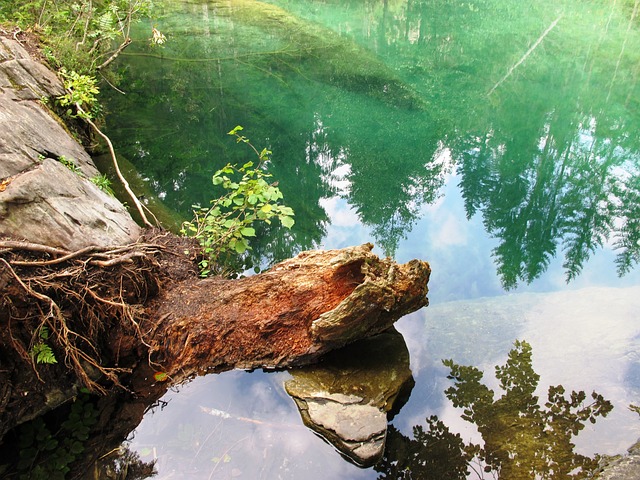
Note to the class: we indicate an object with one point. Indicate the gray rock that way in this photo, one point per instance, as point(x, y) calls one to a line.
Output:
point(626, 467)
point(346, 398)
point(41, 200)
point(27, 77)
point(50, 204)
point(28, 133)
point(351, 421)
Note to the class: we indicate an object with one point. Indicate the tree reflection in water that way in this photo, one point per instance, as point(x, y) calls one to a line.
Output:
point(434, 454)
point(521, 438)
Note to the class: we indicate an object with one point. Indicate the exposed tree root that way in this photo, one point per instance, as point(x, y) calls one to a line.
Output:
point(78, 296)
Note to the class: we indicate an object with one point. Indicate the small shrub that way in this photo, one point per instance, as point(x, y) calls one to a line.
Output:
point(226, 226)
point(81, 90)
point(41, 352)
point(103, 183)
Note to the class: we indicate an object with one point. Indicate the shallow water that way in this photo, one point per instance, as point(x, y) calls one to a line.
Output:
point(494, 139)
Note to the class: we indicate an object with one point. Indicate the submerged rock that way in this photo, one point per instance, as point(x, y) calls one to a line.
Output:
point(326, 56)
point(346, 399)
point(357, 429)
point(46, 193)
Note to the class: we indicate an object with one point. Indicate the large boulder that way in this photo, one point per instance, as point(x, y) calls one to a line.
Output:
point(46, 193)
point(348, 396)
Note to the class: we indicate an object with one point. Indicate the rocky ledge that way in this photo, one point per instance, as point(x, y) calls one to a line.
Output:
point(46, 193)
point(624, 467)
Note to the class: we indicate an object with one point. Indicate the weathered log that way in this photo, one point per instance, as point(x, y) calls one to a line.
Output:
point(287, 316)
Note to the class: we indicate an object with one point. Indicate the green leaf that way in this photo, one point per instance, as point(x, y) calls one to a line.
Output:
point(44, 332)
point(76, 448)
point(241, 246)
point(248, 231)
point(274, 193)
point(49, 444)
point(43, 353)
point(287, 222)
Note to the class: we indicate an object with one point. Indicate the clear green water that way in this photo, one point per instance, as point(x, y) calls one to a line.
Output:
point(497, 139)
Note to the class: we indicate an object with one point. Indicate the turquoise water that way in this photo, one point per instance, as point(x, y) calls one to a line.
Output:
point(496, 139)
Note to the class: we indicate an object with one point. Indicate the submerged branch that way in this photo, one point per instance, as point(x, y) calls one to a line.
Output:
point(115, 54)
point(529, 52)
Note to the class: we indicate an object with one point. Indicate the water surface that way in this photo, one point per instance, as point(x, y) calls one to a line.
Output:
point(496, 139)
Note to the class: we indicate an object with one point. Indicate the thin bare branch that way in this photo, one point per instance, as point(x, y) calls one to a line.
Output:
point(524, 57)
point(135, 200)
point(115, 54)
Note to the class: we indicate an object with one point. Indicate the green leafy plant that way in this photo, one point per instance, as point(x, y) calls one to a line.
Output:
point(224, 228)
point(41, 352)
point(103, 183)
point(70, 164)
point(81, 90)
point(80, 35)
point(100, 180)
point(48, 456)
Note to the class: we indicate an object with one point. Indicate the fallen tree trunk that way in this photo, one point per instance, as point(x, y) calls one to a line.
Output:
point(110, 310)
point(290, 315)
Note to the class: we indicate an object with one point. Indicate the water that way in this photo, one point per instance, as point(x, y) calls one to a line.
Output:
point(496, 139)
